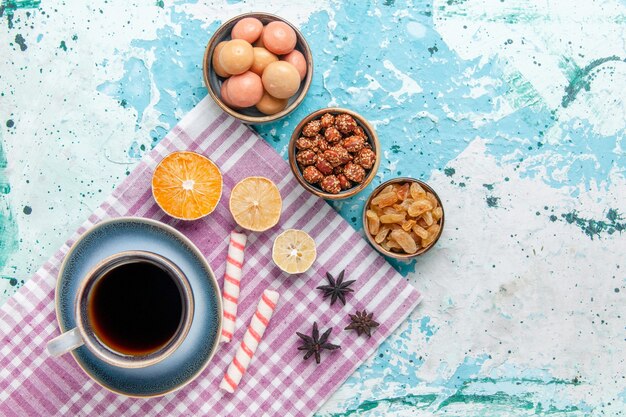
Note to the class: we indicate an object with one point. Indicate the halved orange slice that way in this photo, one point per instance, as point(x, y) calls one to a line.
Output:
point(187, 185)
point(255, 203)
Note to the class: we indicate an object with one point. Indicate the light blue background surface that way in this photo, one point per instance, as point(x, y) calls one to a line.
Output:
point(513, 111)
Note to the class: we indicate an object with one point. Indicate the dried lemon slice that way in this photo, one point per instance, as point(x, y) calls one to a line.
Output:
point(294, 251)
point(187, 185)
point(255, 203)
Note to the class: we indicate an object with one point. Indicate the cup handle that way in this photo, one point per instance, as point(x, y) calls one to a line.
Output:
point(67, 341)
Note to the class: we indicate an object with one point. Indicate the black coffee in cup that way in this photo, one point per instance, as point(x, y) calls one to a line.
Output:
point(135, 308)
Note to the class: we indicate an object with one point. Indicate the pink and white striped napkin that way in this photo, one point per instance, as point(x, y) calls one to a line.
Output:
point(278, 382)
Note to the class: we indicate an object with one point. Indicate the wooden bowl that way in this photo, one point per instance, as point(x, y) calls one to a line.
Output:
point(372, 138)
point(213, 82)
point(398, 255)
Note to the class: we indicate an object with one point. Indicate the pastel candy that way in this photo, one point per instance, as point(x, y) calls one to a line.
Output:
point(252, 338)
point(232, 279)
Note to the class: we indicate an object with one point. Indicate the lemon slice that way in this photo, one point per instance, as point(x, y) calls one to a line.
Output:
point(255, 203)
point(294, 251)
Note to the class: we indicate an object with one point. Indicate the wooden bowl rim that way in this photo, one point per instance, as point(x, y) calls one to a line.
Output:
point(369, 236)
point(372, 137)
point(207, 68)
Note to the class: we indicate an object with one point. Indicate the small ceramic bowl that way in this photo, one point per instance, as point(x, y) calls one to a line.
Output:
point(213, 83)
point(399, 255)
point(372, 139)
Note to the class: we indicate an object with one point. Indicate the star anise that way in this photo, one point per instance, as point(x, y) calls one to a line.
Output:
point(336, 289)
point(314, 344)
point(362, 323)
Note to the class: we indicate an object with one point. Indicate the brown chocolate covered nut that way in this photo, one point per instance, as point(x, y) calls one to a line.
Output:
point(332, 157)
point(334, 152)
point(345, 123)
point(312, 128)
point(358, 131)
point(327, 120)
point(306, 157)
point(344, 183)
point(342, 153)
point(366, 158)
point(312, 175)
point(319, 143)
point(304, 143)
point(331, 184)
point(354, 172)
point(324, 166)
point(353, 143)
point(332, 135)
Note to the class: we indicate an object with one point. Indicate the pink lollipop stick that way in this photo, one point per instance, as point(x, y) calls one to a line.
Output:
point(251, 340)
point(232, 278)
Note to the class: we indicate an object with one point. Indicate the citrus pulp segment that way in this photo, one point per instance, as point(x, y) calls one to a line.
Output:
point(187, 185)
point(255, 203)
point(294, 251)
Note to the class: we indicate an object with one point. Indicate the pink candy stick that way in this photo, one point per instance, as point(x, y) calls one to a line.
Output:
point(232, 277)
point(251, 340)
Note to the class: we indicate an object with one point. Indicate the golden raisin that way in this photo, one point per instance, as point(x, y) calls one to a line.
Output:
point(428, 218)
point(421, 206)
point(404, 240)
point(403, 191)
point(391, 244)
point(420, 231)
point(391, 218)
point(407, 225)
point(437, 213)
point(385, 199)
point(417, 191)
point(434, 229)
point(373, 222)
point(433, 200)
point(382, 234)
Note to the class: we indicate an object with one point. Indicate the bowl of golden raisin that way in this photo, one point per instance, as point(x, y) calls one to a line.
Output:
point(403, 218)
point(334, 153)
